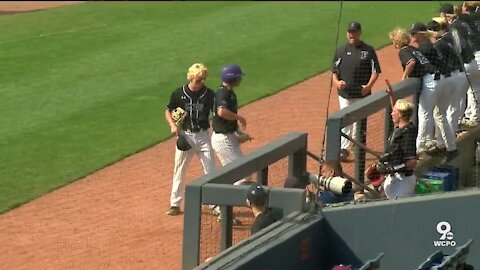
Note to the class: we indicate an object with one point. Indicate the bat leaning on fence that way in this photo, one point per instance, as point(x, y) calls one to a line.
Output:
point(389, 91)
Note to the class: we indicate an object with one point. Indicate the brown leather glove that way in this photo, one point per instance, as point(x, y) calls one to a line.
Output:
point(243, 136)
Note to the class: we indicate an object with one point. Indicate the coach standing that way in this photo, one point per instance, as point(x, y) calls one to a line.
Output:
point(355, 70)
point(197, 100)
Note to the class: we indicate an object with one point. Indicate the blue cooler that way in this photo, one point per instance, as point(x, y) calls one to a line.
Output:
point(448, 180)
point(454, 172)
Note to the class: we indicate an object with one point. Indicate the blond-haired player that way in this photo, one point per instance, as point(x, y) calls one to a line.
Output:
point(197, 100)
point(400, 159)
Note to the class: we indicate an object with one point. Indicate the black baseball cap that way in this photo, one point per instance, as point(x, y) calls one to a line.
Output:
point(433, 26)
point(418, 27)
point(354, 26)
point(257, 195)
point(447, 8)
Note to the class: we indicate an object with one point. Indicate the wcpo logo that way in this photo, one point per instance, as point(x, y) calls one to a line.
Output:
point(446, 235)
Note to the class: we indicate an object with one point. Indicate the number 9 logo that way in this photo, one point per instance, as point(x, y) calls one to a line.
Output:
point(444, 229)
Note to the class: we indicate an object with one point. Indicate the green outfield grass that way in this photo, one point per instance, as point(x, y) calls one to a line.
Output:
point(84, 86)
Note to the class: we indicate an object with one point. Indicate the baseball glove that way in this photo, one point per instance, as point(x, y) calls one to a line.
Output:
point(243, 136)
point(178, 115)
point(373, 174)
point(182, 143)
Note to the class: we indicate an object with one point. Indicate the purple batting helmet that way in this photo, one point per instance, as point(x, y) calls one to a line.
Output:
point(231, 73)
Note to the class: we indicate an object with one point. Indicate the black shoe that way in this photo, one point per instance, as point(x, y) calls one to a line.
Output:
point(236, 222)
point(450, 155)
point(436, 152)
point(344, 153)
point(173, 211)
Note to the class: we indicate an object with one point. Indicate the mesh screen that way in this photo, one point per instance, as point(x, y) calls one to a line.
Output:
point(210, 234)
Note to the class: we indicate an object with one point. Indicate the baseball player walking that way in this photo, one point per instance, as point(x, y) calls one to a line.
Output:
point(226, 119)
point(197, 100)
point(355, 71)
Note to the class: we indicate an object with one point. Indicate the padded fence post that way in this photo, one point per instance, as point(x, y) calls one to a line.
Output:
point(227, 230)
point(192, 217)
point(297, 162)
point(415, 101)
point(262, 177)
point(333, 145)
point(361, 136)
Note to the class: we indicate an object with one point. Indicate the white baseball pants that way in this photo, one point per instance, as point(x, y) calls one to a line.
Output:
point(472, 70)
point(444, 132)
point(399, 185)
point(457, 104)
point(429, 98)
point(227, 148)
point(349, 130)
point(200, 142)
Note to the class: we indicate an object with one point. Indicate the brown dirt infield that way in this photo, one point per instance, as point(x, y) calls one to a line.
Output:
point(11, 7)
point(115, 218)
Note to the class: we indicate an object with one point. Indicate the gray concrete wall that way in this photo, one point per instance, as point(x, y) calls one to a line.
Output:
point(288, 244)
point(404, 230)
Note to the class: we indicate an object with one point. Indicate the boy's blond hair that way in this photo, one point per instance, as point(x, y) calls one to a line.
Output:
point(405, 108)
point(399, 36)
point(197, 70)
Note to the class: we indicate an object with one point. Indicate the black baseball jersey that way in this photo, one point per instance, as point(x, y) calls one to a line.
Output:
point(227, 99)
point(464, 32)
point(426, 48)
point(447, 37)
point(402, 145)
point(449, 56)
point(473, 22)
point(355, 65)
point(198, 105)
point(266, 219)
point(422, 64)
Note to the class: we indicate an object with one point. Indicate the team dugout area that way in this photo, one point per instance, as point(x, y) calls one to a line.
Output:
point(398, 233)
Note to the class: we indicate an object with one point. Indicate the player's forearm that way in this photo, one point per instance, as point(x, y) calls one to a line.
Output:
point(227, 114)
point(373, 79)
point(408, 69)
point(411, 164)
point(335, 78)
